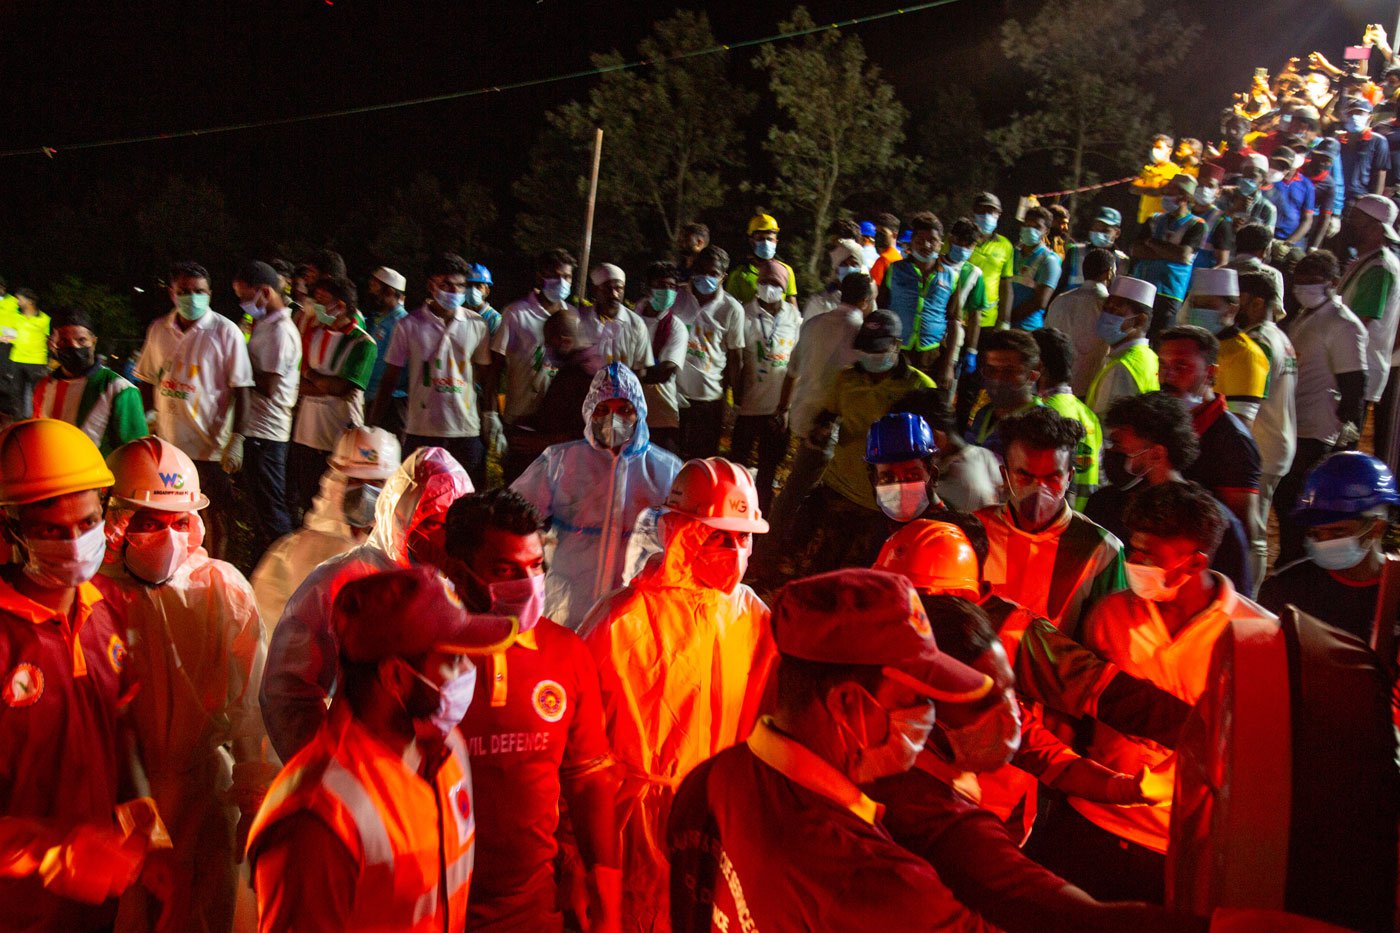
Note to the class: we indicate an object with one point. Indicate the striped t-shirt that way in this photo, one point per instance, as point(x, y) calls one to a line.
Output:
point(103, 405)
point(350, 355)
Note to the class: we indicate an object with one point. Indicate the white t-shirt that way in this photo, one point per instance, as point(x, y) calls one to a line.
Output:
point(768, 344)
point(439, 356)
point(825, 346)
point(275, 348)
point(520, 339)
point(828, 299)
point(1076, 314)
point(622, 339)
point(663, 398)
point(194, 373)
point(1329, 340)
point(1275, 427)
point(712, 330)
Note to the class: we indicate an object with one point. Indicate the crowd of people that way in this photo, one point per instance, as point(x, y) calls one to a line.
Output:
point(921, 601)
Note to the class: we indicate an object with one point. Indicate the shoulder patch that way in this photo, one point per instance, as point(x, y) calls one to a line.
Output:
point(116, 653)
point(23, 686)
point(550, 700)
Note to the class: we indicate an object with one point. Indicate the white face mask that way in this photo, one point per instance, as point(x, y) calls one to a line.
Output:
point(908, 731)
point(153, 556)
point(1038, 507)
point(522, 598)
point(454, 699)
point(61, 564)
point(989, 741)
point(1336, 554)
point(770, 293)
point(902, 502)
point(1310, 296)
point(1150, 583)
point(614, 431)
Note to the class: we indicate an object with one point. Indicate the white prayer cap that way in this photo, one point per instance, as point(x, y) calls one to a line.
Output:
point(848, 250)
point(393, 279)
point(607, 272)
point(1216, 283)
point(1124, 286)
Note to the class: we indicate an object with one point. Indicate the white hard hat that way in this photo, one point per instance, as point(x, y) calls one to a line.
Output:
point(154, 474)
point(1221, 283)
point(717, 493)
point(389, 277)
point(1125, 286)
point(366, 453)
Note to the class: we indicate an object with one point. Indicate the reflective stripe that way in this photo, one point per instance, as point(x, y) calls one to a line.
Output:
point(374, 837)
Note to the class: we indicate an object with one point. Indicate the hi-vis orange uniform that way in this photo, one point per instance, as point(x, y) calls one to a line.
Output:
point(400, 831)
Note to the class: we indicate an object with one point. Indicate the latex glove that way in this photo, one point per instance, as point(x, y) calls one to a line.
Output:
point(605, 900)
point(92, 863)
point(1348, 436)
point(233, 454)
point(969, 362)
point(495, 434)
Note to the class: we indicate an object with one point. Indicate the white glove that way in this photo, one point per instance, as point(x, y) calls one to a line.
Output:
point(495, 433)
point(1348, 436)
point(233, 454)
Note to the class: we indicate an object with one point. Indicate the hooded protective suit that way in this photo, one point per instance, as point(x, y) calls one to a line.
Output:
point(592, 497)
point(324, 533)
point(196, 648)
point(683, 670)
point(303, 657)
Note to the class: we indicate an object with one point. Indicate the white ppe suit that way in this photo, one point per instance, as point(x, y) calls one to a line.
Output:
point(303, 658)
point(683, 669)
point(591, 496)
point(196, 648)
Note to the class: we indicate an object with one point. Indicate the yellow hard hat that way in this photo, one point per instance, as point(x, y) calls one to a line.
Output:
point(149, 473)
point(762, 223)
point(42, 458)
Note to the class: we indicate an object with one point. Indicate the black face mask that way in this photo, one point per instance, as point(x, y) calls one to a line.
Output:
point(75, 360)
point(1115, 466)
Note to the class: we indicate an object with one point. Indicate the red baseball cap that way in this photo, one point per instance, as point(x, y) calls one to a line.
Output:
point(407, 613)
point(871, 618)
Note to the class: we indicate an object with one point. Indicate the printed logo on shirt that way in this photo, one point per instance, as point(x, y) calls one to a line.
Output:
point(505, 743)
point(23, 687)
point(116, 653)
point(549, 700)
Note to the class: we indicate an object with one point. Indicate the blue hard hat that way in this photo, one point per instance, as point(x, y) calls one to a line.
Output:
point(906, 236)
point(478, 274)
point(867, 228)
point(898, 437)
point(1343, 486)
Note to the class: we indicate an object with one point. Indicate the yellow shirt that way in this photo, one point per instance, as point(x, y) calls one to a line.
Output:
point(1154, 176)
point(31, 344)
point(1242, 369)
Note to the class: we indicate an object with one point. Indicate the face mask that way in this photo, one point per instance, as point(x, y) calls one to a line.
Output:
point(770, 293)
point(153, 556)
point(902, 502)
point(75, 360)
point(1004, 394)
point(1038, 507)
point(986, 223)
point(705, 284)
point(476, 296)
point(1150, 583)
point(920, 255)
point(1190, 401)
point(325, 317)
point(1274, 176)
point(251, 309)
point(1209, 318)
point(719, 568)
point(192, 307)
point(662, 298)
point(1110, 327)
point(1160, 154)
point(844, 270)
point(1355, 122)
point(614, 431)
point(908, 732)
point(989, 741)
point(1100, 239)
point(959, 254)
point(1170, 203)
point(522, 598)
point(556, 290)
point(358, 505)
point(1336, 554)
point(454, 699)
point(1031, 236)
point(61, 564)
point(1248, 187)
point(765, 249)
point(1310, 296)
point(448, 301)
point(1205, 196)
point(878, 362)
point(1119, 467)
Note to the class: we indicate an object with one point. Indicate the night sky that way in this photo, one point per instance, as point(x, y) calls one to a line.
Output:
point(77, 72)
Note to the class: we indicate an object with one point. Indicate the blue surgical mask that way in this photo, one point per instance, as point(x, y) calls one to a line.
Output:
point(1110, 327)
point(662, 299)
point(322, 315)
point(448, 301)
point(251, 309)
point(476, 296)
point(1100, 239)
point(1336, 554)
point(192, 307)
point(705, 284)
point(557, 289)
point(986, 223)
point(765, 249)
point(919, 255)
point(879, 362)
point(957, 254)
point(1170, 203)
point(1247, 187)
point(1209, 318)
point(844, 270)
point(1355, 122)
point(1031, 236)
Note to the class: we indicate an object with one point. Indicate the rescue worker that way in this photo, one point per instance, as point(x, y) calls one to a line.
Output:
point(1044, 555)
point(683, 654)
point(372, 826)
point(301, 657)
point(775, 833)
point(1130, 368)
point(1056, 366)
point(341, 517)
point(1345, 510)
point(534, 731)
point(197, 650)
point(62, 656)
point(592, 490)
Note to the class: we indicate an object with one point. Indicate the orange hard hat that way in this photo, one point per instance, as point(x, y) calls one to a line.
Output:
point(42, 458)
point(719, 494)
point(150, 473)
point(936, 557)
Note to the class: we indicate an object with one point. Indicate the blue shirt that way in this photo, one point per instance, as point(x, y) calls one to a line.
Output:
point(1294, 199)
point(1038, 267)
point(492, 317)
point(381, 331)
point(1364, 155)
point(921, 301)
point(1171, 278)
